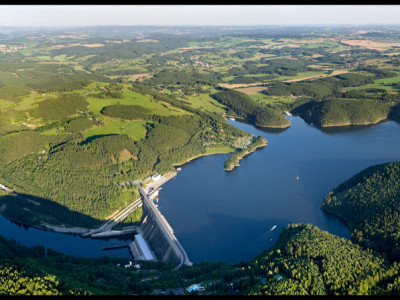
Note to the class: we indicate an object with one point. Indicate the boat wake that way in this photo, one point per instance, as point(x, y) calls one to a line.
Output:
point(265, 237)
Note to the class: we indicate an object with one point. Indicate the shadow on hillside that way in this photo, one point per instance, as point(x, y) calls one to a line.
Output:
point(395, 113)
point(29, 210)
point(94, 137)
point(271, 130)
point(351, 128)
point(264, 129)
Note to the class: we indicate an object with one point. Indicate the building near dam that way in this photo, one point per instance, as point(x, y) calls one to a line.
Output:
point(140, 250)
point(156, 176)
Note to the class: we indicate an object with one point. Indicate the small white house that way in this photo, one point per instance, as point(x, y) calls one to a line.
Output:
point(129, 265)
point(156, 176)
point(7, 189)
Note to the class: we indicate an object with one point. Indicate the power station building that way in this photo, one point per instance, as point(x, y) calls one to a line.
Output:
point(140, 250)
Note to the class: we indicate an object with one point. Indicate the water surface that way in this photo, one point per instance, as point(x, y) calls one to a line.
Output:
point(64, 243)
point(227, 215)
point(220, 215)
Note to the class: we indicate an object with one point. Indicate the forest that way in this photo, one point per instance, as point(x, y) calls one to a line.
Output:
point(243, 106)
point(309, 261)
point(39, 271)
point(85, 111)
point(343, 112)
point(369, 204)
point(233, 160)
point(83, 174)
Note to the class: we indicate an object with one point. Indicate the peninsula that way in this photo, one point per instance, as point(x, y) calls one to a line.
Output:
point(233, 161)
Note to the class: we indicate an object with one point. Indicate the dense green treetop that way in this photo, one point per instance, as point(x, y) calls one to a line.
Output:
point(343, 112)
point(309, 261)
point(245, 107)
point(61, 107)
point(369, 202)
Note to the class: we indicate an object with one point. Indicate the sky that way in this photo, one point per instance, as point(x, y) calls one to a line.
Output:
point(89, 15)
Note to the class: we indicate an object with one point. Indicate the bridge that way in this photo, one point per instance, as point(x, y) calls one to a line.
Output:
point(159, 234)
point(105, 229)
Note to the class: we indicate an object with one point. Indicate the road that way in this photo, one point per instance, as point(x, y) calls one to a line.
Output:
point(116, 219)
point(122, 214)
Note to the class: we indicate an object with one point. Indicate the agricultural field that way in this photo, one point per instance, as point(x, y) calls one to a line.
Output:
point(136, 130)
point(259, 97)
point(206, 102)
point(86, 110)
point(132, 102)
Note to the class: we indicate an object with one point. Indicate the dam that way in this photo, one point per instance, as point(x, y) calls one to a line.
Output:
point(154, 237)
point(159, 235)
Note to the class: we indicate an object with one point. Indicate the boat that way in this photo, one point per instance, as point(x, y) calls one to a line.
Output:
point(232, 119)
point(297, 177)
point(273, 228)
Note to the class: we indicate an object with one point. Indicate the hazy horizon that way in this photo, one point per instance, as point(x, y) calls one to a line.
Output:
point(197, 15)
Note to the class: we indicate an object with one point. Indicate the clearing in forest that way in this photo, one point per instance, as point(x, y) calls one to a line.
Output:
point(380, 46)
point(252, 90)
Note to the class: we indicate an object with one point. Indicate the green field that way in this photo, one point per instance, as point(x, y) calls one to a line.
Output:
point(130, 98)
point(206, 102)
point(219, 150)
point(259, 97)
point(30, 101)
point(301, 75)
point(390, 80)
point(322, 44)
point(6, 104)
point(134, 129)
point(229, 78)
point(384, 83)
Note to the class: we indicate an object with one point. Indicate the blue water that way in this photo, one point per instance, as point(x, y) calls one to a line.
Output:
point(220, 215)
point(227, 216)
point(64, 243)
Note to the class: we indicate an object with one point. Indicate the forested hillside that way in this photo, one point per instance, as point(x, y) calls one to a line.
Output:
point(343, 112)
point(309, 261)
point(395, 113)
point(86, 111)
point(245, 107)
point(83, 174)
point(369, 203)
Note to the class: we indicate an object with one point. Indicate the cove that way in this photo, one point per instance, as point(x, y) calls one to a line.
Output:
point(220, 215)
point(227, 216)
point(64, 243)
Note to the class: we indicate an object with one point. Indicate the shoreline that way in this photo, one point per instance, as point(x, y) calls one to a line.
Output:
point(80, 230)
point(279, 127)
point(197, 156)
point(253, 148)
point(354, 124)
point(256, 124)
point(65, 230)
point(51, 228)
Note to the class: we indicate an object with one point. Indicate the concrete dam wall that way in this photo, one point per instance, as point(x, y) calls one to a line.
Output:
point(156, 238)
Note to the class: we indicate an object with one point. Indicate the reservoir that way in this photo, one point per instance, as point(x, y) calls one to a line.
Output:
point(228, 215)
point(220, 215)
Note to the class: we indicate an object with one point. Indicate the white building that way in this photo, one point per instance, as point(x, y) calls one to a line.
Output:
point(143, 249)
point(156, 176)
point(4, 188)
